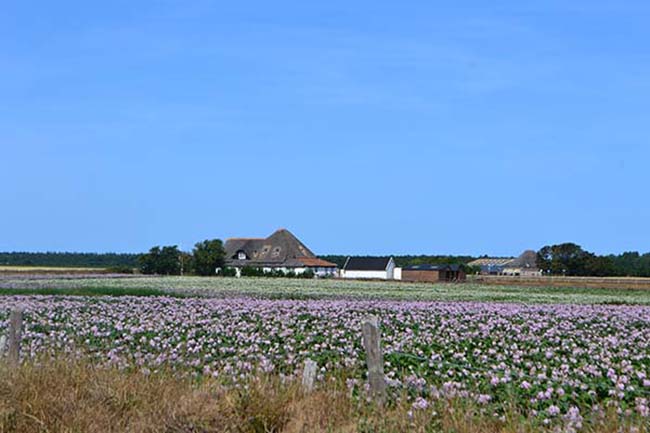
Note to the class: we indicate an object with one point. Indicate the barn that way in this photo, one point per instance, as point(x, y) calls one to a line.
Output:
point(433, 273)
point(371, 268)
point(524, 265)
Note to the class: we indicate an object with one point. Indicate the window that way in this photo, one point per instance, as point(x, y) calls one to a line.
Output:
point(241, 255)
point(276, 252)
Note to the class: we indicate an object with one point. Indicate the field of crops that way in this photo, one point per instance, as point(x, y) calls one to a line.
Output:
point(556, 363)
point(324, 289)
point(556, 355)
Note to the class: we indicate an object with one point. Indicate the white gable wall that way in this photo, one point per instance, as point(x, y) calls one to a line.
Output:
point(390, 269)
point(375, 275)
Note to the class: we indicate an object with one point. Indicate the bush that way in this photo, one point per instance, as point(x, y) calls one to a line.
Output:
point(308, 274)
point(122, 269)
point(227, 272)
point(249, 271)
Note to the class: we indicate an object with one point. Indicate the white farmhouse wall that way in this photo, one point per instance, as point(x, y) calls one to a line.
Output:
point(397, 274)
point(378, 275)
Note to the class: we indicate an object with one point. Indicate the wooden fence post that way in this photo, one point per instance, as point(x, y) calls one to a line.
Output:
point(374, 358)
point(14, 336)
point(309, 375)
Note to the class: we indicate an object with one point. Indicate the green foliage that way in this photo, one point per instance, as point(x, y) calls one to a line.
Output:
point(161, 261)
point(308, 274)
point(69, 260)
point(632, 264)
point(120, 269)
point(564, 259)
point(227, 272)
point(187, 263)
point(208, 256)
point(470, 270)
point(248, 271)
point(571, 259)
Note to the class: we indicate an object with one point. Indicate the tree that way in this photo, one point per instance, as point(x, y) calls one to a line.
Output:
point(600, 266)
point(208, 256)
point(187, 263)
point(564, 259)
point(149, 261)
point(161, 261)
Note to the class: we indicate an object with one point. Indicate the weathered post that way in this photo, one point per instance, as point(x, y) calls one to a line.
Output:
point(309, 375)
point(14, 335)
point(374, 358)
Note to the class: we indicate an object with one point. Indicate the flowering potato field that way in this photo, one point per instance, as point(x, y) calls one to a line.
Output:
point(556, 363)
point(311, 289)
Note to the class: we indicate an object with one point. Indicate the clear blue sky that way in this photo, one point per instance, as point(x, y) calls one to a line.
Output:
point(365, 127)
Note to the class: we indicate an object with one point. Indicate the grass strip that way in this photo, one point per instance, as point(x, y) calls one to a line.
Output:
point(91, 291)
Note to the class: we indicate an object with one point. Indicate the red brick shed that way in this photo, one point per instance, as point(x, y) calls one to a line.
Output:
point(433, 273)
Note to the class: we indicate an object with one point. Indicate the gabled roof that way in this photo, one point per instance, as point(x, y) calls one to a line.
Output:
point(528, 259)
point(366, 263)
point(427, 267)
point(491, 262)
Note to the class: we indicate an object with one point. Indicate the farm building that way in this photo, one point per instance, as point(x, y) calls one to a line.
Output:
point(433, 273)
point(280, 251)
point(524, 265)
point(375, 268)
point(490, 265)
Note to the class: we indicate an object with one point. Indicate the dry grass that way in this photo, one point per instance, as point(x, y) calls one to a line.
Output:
point(50, 269)
point(77, 397)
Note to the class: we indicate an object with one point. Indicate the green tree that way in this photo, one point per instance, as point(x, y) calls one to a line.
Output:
point(208, 256)
point(187, 263)
point(161, 261)
point(564, 259)
point(599, 266)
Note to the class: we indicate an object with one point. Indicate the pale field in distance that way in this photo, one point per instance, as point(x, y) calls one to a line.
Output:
point(283, 288)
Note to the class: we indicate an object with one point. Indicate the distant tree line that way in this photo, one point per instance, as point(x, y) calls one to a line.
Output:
point(69, 260)
point(572, 260)
point(562, 259)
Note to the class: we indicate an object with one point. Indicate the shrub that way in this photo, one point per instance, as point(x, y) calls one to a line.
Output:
point(249, 271)
point(227, 272)
point(308, 274)
point(121, 269)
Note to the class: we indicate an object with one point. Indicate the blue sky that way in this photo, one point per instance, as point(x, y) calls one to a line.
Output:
point(365, 127)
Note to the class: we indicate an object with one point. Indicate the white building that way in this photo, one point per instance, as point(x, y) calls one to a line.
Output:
point(371, 268)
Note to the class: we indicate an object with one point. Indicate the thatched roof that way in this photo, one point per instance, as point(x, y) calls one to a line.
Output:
point(281, 249)
point(528, 259)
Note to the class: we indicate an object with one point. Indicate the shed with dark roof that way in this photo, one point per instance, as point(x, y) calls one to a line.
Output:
point(375, 268)
point(433, 273)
